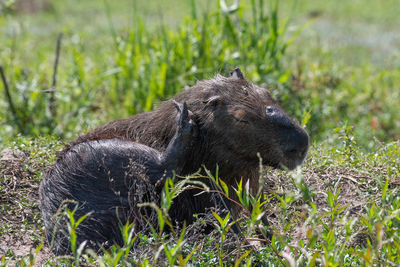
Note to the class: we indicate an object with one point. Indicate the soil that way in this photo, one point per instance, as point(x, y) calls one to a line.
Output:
point(20, 224)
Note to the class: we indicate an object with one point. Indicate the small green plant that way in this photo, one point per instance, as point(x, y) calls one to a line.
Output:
point(346, 135)
point(72, 226)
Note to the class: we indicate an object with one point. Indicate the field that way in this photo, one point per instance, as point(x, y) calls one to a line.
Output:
point(333, 65)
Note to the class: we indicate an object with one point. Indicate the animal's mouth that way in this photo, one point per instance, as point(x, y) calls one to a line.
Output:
point(293, 158)
point(287, 159)
point(290, 164)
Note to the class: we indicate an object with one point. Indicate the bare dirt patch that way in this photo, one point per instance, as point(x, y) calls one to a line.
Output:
point(20, 224)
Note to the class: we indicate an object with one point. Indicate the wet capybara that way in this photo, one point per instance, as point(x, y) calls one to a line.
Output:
point(106, 179)
point(236, 120)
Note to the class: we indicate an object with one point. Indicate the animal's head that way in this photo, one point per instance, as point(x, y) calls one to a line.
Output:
point(239, 119)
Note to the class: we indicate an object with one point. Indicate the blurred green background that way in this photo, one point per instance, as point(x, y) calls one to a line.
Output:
point(327, 62)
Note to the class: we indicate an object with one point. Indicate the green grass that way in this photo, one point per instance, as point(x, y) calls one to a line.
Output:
point(340, 76)
point(342, 67)
point(341, 208)
point(138, 68)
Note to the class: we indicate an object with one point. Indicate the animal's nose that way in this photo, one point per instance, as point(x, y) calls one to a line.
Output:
point(298, 144)
point(278, 117)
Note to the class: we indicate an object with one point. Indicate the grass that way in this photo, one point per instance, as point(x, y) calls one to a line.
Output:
point(342, 67)
point(342, 207)
point(339, 75)
point(138, 68)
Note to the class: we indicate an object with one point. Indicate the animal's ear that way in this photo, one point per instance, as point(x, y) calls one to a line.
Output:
point(237, 73)
point(213, 101)
point(183, 112)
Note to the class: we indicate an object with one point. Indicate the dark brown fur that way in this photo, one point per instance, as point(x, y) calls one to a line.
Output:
point(236, 120)
point(218, 106)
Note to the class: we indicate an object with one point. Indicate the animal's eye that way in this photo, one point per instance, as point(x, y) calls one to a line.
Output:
point(240, 117)
point(242, 121)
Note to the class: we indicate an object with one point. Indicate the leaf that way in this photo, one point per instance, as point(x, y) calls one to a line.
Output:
point(306, 118)
point(167, 253)
point(38, 248)
point(242, 257)
point(81, 219)
point(224, 187)
point(81, 247)
point(313, 259)
point(219, 219)
point(330, 198)
point(161, 221)
point(209, 174)
point(185, 261)
point(384, 190)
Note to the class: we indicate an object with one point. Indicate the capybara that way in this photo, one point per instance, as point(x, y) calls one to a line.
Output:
point(106, 179)
point(236, 119)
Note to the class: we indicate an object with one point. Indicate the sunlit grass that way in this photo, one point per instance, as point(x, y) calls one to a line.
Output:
point(124, 64)
point(342, 207)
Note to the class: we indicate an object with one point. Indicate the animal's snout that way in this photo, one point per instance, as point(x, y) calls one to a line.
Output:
point(293, 139)
point(296, 145)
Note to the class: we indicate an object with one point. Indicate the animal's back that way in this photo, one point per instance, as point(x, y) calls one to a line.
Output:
point(99, 175)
